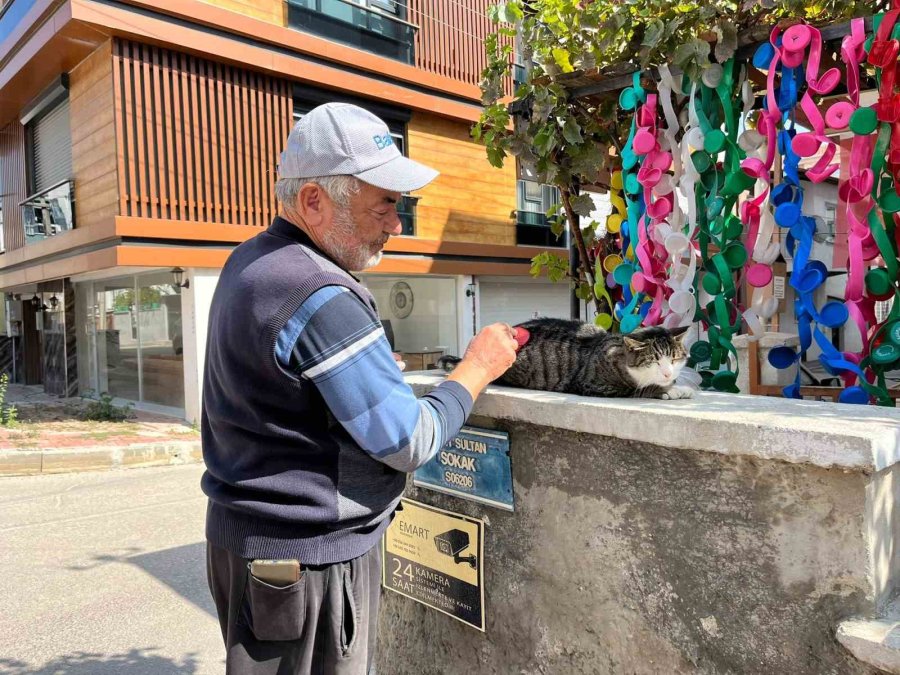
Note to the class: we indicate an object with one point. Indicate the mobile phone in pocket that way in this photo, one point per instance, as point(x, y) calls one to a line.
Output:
point(276, 572)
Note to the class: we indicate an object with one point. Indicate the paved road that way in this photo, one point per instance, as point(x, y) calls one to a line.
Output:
point(103, 573)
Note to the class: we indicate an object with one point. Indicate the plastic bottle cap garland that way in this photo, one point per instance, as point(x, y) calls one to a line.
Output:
point(696, 211)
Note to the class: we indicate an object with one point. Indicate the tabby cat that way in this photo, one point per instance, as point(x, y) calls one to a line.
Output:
point(579, 358)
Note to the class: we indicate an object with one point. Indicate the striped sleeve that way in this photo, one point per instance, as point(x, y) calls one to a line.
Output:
point(337, 343)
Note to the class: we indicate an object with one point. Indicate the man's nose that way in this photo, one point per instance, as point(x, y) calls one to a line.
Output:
point(394, 226)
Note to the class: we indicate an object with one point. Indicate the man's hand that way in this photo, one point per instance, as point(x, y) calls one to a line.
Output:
point(489, 355)
point(401, 364)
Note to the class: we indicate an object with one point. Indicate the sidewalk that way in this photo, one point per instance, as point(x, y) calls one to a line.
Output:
point(51, 437)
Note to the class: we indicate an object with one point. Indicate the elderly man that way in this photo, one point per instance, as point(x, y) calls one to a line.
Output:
point(308, 427)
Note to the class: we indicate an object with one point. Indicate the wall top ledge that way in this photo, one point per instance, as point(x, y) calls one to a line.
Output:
point(859, 438)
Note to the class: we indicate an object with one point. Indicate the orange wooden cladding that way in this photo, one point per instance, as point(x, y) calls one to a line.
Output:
point(197, 140)
point(92, 117)
point(470, 201)
point(12, 183)
point(450, 38)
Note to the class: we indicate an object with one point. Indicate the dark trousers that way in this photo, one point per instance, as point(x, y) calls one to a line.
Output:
point(325, 624)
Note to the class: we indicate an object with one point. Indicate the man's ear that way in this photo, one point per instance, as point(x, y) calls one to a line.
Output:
point(312, 204)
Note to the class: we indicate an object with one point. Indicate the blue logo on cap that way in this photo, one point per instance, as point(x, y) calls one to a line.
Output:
point(383, 141)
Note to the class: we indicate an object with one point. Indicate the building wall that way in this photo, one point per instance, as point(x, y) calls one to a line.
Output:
point(12, 183)
point(266, 10)
point(92, 118)
point(470, 201)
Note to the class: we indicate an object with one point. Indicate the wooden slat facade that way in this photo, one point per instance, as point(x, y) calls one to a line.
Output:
point(92, 119)
point(450, 38)
point(470, 200)
point(197, 140)
point(12, 183)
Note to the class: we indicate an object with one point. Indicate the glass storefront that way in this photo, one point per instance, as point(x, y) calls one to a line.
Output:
point(419, 314)
point(129, 338)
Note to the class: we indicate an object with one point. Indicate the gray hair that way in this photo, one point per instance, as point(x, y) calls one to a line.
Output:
point(339, 188)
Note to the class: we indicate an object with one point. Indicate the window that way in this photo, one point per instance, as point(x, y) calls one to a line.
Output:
point(48, 209)
point(520, 63)
point(305, 99)
point(129, 338)
point(49, 141)
point(825, 233)
point(377, 26)
point(533, 201)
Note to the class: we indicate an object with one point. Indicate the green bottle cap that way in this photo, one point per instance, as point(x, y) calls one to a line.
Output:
point(863, 121)
point(701, 160)
point(701, 351)
point(885, 354)
point(735, 255)
point(889, 200)
point(726, 381)
point(878, 281)
point(711, 283)
point(714, 142)
point(893, 333)
point(733, 227)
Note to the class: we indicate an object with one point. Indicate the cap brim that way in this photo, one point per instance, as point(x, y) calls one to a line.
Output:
point(401, 174)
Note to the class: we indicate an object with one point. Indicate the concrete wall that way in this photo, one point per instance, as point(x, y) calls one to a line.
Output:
point(741, 554)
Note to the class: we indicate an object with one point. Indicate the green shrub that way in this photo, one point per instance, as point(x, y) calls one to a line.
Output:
point(102, 408)
point(8, 413)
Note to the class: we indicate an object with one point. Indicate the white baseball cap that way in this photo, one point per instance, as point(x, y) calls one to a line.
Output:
point(338, 139)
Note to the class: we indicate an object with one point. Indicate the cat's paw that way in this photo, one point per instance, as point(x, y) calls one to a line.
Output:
point(677, 392)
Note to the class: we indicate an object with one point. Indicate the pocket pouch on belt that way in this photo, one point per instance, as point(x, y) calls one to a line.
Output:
point(276, 613)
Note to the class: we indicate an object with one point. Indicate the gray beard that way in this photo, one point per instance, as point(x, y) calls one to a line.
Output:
point(351, 259)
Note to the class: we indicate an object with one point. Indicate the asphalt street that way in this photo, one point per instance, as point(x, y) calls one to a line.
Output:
point(103, 573)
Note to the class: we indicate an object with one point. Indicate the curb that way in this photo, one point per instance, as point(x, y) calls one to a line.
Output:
point(71, 460)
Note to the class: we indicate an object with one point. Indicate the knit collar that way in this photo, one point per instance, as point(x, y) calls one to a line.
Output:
point(285, 228)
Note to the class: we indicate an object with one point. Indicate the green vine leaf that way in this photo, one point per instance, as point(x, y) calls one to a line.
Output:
point(572, 131)
point(653, 33)
point(561, 58)
point(583, 205)
point(727, 42)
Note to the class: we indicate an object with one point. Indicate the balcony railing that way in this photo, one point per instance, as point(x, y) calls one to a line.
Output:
point(443, 37)
point(532, 230)
point(48, 213)
point(451, 35)
point(357, 24)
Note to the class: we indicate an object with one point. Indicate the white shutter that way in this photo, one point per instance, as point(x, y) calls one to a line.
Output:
point(52, 148)
point(517, 299)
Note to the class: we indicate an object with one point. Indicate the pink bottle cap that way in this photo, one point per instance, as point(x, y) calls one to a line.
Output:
point(759, 275)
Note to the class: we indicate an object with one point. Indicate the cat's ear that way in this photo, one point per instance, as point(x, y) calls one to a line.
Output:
point(679, 333)
point(634, 345)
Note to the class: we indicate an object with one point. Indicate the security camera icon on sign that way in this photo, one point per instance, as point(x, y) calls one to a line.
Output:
point(453, 543)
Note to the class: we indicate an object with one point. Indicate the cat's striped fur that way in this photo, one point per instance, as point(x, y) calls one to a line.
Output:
point(579, 358)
